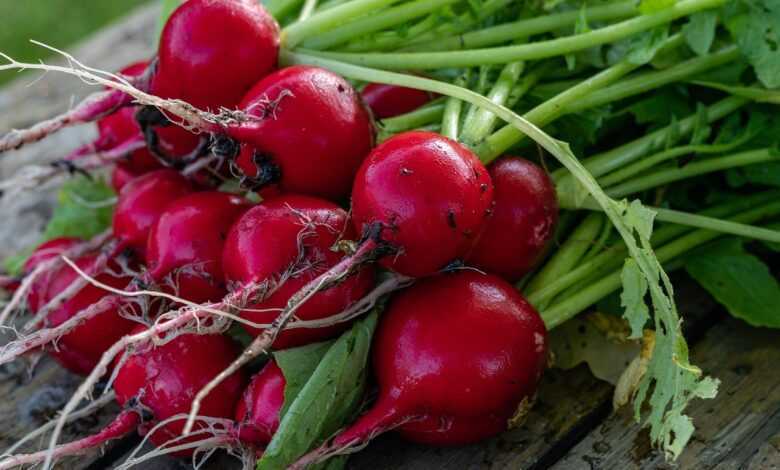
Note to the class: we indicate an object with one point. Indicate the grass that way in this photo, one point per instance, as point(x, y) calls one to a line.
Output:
point(59, 23)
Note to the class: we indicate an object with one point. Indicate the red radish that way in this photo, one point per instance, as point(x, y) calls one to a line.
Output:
point(119, 128)
point(430, 196)
point(312, 135)
point(211, 52)
point(120, 176)
point(140, 204)
point(258, 411)
point(386, 101)
point(155, 383)
point(293, 233)
point(38, 290)
point(164, 379)
point(457, 358)
point(522, 222)
point(81, 349)
point(186, 242)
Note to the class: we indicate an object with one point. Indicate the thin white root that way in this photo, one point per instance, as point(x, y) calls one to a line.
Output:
point(33, 176)
point(196, 119)
point(87, 410)
point(97, 267)
point(185, 319)
point(263, 342)
point(49, 266)
point(218, 428)
point(42, 337)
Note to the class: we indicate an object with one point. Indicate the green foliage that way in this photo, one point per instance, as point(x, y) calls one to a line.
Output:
point(740, 281)
point(658, 108)
point(84, 209)
point(755, 25)
point(328, 396)
point(700, 31)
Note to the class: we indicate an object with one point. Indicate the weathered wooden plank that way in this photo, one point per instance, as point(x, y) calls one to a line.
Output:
point(740, 428)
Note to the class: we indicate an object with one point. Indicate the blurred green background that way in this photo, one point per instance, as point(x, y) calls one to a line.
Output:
point(59, 23)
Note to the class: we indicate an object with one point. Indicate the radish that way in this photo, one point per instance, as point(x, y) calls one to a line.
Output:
point(522, 222)
point(156, 383)
point(120, 176)
point(288, 241)
point(121, 127)
point(184, 249)
point(165, 378)
point(311, 136)
point(45, 251)
point(457, 359)
point(386, 101)
point(191, 66)
point(428, 195)
point(141, 203)
point(419, 197)
point(211, 52)
point(258, 412)
point(81, 348)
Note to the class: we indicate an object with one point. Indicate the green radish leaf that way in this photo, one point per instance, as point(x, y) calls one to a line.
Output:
point(754, 26)
point(328, 399)
point(659, 107)
point(297, 365)
point(644, 46)
point(740, 281)
point(633, 298)
point(699, 32)
point(84, 209)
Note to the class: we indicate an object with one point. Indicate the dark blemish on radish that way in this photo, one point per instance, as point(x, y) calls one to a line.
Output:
point(483, 187)
point(341, 88)
point(451, 219)
point(406, 171)
point(224, 147)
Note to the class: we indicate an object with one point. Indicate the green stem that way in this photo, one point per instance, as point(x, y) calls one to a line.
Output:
point(525, 28)
point(479, 124)
point(281, 8)
point(655, 159)
point(568, 254)
point(329, 19)
point(570, 307)
point(703, 167)
point(428, 29)
point(701, 221)
point(610, 160)
point(498, 142)
point(450, 122)
point(613, 258)
point(506, 54)
point(377, 22)
point(656, 79)
point(307, 10)
point(419, 117)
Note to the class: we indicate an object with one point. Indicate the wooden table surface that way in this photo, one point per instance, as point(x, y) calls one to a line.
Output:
point(572, 425)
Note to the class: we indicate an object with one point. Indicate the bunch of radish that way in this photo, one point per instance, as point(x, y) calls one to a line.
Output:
point(457, 357)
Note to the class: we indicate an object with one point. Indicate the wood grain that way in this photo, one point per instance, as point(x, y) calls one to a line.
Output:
point(740, 428)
